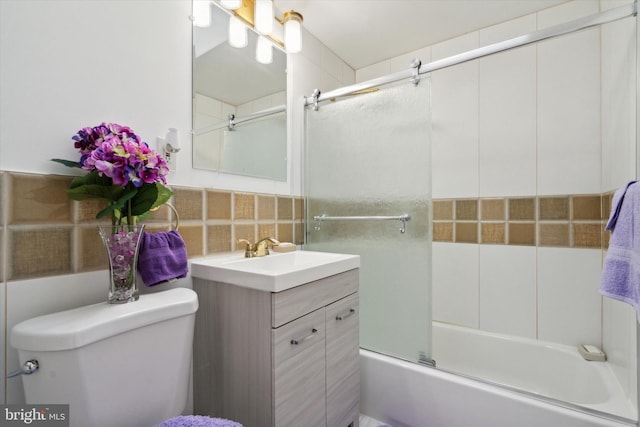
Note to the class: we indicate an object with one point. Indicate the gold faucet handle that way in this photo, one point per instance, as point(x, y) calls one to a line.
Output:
point(250, 248)
point(263, 245)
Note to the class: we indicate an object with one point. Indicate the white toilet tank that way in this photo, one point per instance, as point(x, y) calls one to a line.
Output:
point(114, 364)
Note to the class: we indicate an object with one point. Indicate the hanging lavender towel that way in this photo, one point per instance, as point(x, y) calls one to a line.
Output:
point(162, 257)
point(616, 205)
point(621, 271)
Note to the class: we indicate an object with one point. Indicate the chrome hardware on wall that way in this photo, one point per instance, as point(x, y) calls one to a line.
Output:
point(28, 368)
point(316, 98)
point(231, 122)
point(415, 71)
point(308, 337)
point(404, 218)
point(351, 312)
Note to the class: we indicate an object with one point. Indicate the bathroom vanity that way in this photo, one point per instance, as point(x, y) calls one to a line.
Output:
point(274, 352)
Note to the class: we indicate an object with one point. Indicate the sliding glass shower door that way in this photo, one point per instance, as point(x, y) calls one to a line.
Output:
point(367, 167)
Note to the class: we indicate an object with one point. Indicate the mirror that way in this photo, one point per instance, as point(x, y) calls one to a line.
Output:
point(229, 81)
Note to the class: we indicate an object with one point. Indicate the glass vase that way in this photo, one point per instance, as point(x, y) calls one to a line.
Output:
point(122, 243)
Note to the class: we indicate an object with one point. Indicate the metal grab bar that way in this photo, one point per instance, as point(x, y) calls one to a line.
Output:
point(404, 218)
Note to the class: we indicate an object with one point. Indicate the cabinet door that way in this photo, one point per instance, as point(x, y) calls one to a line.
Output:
point(299, 372)
point(342, 360)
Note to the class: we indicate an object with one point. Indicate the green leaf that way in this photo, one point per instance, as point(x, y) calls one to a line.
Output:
point(164, 194)
point(93, 191)
point(119, 204)
point(92, 178)
point(68, 163)
point(144, 200)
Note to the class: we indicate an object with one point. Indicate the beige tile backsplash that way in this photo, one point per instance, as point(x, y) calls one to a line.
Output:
point(561, 221)
point(42, 233)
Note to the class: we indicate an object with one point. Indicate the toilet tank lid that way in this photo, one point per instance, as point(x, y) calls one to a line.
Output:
point(78, 327)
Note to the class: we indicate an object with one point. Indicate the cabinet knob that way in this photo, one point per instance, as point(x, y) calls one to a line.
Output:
point(303, 339)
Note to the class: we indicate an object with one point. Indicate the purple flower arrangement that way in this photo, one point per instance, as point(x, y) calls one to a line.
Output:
point(122, 169)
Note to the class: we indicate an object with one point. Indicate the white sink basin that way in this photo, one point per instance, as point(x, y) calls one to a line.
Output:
point(275, 272)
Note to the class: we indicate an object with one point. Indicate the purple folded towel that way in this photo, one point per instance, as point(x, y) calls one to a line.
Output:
point(162, 257)
point(197, 421)
point(621, 270)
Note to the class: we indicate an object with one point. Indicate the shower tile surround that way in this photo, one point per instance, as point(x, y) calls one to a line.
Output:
point(572, 221)
point(42, 233)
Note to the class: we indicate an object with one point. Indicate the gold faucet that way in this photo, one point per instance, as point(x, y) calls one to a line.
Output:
point(260, 248)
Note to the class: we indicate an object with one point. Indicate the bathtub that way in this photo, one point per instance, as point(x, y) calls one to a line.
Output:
point(406, 394)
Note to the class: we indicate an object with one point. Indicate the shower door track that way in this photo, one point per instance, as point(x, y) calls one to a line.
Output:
point(544, 34)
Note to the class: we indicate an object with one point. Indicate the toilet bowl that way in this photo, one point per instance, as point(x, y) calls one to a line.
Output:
point(115, 365)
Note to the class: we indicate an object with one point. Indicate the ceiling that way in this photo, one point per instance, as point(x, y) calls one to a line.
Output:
point(364, 32)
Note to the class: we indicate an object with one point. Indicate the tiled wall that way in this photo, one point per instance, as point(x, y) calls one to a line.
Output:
point(573, 221)
point(42, 233)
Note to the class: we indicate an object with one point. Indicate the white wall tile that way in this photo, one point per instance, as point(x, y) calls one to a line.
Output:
point(454, 100)
point(331, 63)
point(508, 290)
point(507, 125)
point(569, 302)
point(348, 75)
point(311, 48)
point(455, 283)
point(618, 341)
point(566, 12)
point(618, 103)
point(569, 144)
point(371, 72)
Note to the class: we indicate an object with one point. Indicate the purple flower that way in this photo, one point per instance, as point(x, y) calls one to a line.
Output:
point(116, 157)
point(116, 152)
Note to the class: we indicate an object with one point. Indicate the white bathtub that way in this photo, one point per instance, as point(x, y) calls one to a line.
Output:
point(405, 394)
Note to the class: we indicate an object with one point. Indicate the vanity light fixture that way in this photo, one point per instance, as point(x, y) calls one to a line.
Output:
point(259, 14)
point(292, 22)
point(201, 13)
point(264, 50)
point(237, 32)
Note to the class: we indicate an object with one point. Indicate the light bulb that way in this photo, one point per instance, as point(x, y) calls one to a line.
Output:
point(231, 4)
point(264, 51)
point(201, 13)
point(292, 31)
point(264, 16)
point(237, 33)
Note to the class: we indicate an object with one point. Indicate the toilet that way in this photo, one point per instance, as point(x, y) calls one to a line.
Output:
point(115, 365)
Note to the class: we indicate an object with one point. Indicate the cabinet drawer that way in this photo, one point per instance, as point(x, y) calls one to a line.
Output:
point(296, 302)
point(342, 359)
point(299, 372)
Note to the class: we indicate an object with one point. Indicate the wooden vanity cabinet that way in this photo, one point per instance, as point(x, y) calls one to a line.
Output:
point(284, 359)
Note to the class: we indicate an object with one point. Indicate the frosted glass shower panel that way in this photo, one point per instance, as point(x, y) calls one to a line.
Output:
point(369, 155)
point(257, 148)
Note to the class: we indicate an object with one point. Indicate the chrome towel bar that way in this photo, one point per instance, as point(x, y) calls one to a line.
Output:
point(404, 218)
